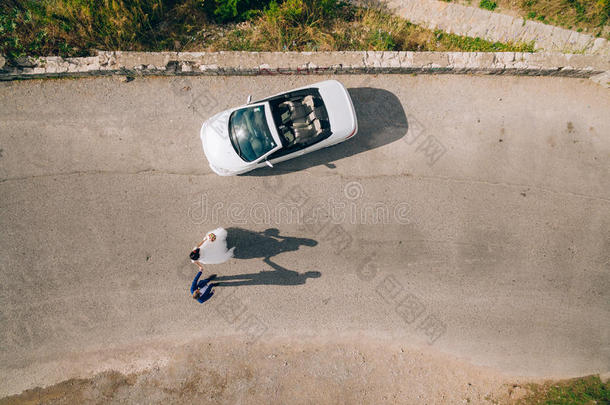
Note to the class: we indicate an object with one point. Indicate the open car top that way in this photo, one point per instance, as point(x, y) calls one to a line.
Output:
point(301, 119)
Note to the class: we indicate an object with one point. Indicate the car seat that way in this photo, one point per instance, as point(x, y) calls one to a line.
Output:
point(307, 133)
point(297, 109)
point(287, 134)
point(304, 121)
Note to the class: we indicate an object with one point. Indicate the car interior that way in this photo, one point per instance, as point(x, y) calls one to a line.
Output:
point(301, 118)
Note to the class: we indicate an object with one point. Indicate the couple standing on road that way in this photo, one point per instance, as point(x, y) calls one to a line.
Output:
point(211, 250)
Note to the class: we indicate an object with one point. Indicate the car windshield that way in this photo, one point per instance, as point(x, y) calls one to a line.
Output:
point(250, 133)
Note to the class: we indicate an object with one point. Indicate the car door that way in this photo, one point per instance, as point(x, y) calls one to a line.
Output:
point(319, 145)
point(289, 156)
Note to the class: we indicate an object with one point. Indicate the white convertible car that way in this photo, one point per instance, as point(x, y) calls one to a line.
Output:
point(278, 128)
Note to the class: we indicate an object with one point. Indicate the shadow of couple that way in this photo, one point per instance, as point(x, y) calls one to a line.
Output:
point(266, 244)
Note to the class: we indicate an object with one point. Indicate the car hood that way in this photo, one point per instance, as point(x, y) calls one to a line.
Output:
point(217, 146)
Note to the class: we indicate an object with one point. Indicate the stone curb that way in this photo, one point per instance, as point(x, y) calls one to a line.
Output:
point(305, 63)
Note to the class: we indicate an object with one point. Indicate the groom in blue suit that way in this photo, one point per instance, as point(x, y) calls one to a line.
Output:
point(201, 289)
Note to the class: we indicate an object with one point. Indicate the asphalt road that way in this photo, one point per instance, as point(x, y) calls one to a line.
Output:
point(470, 216)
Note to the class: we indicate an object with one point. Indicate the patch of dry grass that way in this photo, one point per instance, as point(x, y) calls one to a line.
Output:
point(350, 29)
point(77, 27)
point(588, 16)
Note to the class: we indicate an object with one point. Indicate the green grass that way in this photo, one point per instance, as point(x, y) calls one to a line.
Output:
point(75, 27)
point(456, 42)
point(488, 4)
point(589, 16)
point(78, 27)
point(578, 391)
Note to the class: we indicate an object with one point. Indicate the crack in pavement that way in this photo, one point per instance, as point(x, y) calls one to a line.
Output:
point(103, 172)
point(404, 174)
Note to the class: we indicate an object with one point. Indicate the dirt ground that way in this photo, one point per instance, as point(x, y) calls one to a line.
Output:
point(289, 371)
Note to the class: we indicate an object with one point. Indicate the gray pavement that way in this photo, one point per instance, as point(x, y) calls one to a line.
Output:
point(470, 216)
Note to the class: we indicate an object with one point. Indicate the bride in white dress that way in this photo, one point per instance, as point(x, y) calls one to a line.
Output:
point(212, 249)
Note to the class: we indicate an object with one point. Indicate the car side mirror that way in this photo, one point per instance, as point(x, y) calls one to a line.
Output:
point(249, 99)
point(268, 163)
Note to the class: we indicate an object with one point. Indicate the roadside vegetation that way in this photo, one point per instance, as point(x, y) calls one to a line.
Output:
point(488, 4)
point(588, 16)
point(79, 27)
point(577, 391)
